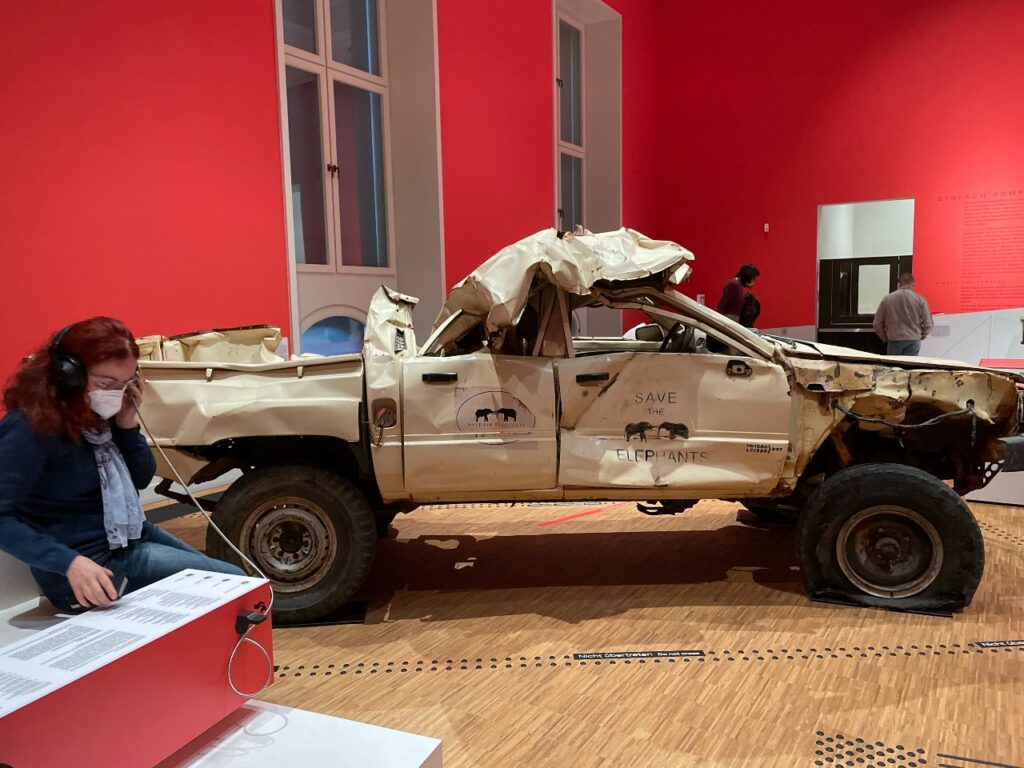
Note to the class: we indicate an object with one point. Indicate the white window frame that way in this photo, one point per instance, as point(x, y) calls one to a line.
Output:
point(565, 147)
point(328, 71)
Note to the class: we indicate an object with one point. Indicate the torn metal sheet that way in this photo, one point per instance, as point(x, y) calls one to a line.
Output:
point(833, 376)
point(389, 333)
point(499, 289)
point(186, 404)
point(239, 345)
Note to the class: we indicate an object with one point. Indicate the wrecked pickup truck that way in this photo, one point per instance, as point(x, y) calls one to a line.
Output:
point(503, 403)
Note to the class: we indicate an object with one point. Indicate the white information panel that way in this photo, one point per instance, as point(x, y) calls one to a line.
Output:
point(59, 655)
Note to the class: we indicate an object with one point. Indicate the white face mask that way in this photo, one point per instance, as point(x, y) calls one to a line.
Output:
point(106, 402)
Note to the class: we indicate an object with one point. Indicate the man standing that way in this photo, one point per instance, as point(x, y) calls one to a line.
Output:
point(903, 318)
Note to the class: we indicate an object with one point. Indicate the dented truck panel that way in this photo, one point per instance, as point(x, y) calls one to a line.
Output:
point(199, 404)
point(478, 423)
point(676, 422)
point(499, 289)
point(927, 410)
point(389, 340)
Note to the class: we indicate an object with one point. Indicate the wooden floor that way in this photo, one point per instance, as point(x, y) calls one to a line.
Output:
point(476, 613)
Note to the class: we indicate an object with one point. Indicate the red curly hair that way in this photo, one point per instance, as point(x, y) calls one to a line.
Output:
point(31, 388)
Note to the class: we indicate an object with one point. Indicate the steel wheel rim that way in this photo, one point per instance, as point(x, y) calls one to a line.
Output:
point(292, 541)
point(889, 551)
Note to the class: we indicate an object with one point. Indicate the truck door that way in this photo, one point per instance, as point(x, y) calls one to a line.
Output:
point(478, 422)
point(701, 423)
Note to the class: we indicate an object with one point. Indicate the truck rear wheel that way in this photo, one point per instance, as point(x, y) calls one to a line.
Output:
point(887, 535)
point(310, 531)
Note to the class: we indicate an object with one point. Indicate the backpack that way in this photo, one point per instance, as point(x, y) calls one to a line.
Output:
point(750, 311)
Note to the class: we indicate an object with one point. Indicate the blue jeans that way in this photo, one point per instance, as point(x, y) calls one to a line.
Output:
point(154, 556)
point(910, 348)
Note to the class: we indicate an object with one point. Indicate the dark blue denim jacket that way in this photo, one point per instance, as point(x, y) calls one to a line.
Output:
point(51, 509)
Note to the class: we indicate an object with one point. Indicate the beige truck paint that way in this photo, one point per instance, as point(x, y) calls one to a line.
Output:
point(675, 422)
point(200, 404)
point(484, 423)
point(486, 409)
point(389, 341)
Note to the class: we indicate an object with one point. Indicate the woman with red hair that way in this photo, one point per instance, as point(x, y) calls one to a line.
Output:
point(72, 460)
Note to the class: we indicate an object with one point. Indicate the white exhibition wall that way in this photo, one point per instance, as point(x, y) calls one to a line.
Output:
point(865, 230)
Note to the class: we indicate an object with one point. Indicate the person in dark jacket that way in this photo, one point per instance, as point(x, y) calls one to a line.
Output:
point(72, 460)
point(735, 291)
point(737, 303)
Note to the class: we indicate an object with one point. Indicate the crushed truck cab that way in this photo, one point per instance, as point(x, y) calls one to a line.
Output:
point(502, 402)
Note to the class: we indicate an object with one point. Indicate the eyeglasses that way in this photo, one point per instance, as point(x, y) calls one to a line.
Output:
point(108, 382)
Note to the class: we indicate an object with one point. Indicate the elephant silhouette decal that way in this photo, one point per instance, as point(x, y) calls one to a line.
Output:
point(674, 430)
point(638, 428)
point(507, 414)
point(493, 416)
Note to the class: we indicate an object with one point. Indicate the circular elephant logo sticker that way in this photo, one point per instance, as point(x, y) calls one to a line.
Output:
point(495, 416)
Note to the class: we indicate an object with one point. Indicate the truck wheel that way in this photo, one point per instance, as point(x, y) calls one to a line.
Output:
point(890, 536)
point(310, 531)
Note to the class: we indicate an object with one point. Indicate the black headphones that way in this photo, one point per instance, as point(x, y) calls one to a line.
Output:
point(67, 371)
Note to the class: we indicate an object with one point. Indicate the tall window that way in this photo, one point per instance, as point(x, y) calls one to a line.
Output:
point(571, 147)
point(337, 99)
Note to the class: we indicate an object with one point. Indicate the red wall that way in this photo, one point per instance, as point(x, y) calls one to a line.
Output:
point(497, 126)
point(141, 160)
point(639, 102)
point(767, 110)
point(497, 123)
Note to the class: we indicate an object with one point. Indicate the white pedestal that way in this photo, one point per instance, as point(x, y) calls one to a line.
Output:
point(1004, 489)
point(261, 734)
point(24, 618)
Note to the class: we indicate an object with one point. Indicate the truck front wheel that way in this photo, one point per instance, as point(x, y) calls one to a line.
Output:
point(892, 536)
point(310, 531)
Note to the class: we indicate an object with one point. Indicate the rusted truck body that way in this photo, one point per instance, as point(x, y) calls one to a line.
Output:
point(871, 455)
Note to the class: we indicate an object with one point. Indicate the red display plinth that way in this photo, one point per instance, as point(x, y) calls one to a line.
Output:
point(147, 700)
point(1004, 363)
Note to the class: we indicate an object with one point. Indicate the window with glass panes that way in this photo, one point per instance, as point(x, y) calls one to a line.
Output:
point(337, 100)
point(570, 146)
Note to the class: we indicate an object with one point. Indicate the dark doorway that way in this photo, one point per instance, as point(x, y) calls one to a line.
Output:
point(848, 294)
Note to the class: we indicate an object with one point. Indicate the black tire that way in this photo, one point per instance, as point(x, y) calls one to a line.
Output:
point(310, 531)
point(890, 536)
point(383, 525)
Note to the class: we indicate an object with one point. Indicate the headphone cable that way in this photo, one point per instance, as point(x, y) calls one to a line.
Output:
point(244, 636)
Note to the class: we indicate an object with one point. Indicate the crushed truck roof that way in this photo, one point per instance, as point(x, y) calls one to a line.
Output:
point(500, 288)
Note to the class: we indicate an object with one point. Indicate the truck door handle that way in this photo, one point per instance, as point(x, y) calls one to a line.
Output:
point(586, 378)
point(440, 378)
point(738, 368)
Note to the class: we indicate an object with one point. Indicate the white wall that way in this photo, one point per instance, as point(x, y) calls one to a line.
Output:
point(416, 158)
point(801, 332)
point(975, 336)
point(16, 582)
point(864, 230)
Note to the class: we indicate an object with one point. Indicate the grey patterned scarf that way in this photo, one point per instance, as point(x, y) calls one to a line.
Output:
point(122, 509)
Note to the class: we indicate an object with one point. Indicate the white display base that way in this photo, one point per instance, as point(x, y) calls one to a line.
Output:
point(26, 617)
point(1005, 488)
point(262, 734)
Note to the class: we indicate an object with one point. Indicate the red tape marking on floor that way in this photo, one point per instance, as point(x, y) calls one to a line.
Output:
point(585, 513)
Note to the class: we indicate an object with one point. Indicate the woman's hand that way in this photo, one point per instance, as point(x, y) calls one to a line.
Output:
point(91, 583)
point(128, 417)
